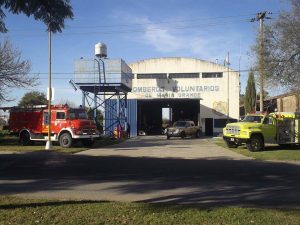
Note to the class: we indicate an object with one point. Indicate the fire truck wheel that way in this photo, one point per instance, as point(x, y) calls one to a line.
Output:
point(25, 138)
point(88, 142)
point(65, 140)
point(255, 143)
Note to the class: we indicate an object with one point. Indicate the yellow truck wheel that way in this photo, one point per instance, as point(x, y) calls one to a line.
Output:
point(255, 143)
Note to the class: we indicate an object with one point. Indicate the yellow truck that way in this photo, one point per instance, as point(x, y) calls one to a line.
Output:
point(256, 130)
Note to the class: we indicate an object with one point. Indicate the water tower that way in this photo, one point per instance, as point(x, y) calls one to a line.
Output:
point(104, 83)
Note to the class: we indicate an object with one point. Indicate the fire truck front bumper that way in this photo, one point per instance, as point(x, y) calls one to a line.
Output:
point(87, 136)
point(236, 140)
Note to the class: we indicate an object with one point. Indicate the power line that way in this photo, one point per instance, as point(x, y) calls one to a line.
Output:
point(91, 73)
point(177, 27)
point(159, 22)
point(140, 24)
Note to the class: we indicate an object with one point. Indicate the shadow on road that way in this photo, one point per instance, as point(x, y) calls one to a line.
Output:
point(205, 182)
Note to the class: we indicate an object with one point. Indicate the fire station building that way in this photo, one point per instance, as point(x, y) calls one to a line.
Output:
point(185, 89)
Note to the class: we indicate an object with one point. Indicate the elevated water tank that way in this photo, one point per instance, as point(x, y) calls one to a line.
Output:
point(100, 50)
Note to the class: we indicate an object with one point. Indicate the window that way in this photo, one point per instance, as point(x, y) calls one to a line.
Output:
point(212, 75)
point(184, 75)
point(46, 118)
point(60, 115)
point(152, 76)
point(268, 120)
point(77, 114)
point(252, 118)
point(180, 124)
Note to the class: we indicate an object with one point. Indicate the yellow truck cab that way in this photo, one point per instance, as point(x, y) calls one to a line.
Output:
point(256, 130)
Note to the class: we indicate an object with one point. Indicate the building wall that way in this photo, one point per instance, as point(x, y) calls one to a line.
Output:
point(288, 103)
point(212, 92)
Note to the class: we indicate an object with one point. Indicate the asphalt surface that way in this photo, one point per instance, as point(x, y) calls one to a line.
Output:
point(153, 169)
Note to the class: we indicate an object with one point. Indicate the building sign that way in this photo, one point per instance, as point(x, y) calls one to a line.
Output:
point(174, 92)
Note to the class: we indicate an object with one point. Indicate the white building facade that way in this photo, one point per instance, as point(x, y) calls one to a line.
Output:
point(206, 92)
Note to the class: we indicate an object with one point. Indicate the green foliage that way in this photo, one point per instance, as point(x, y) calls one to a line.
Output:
point(250, 94)
point(52, 13)
point(282, 42)
point(13, 70)
point(23, 211)
point(242, 98)
point(11, 144)
point(33, 98)
point(99, 117)
point(265, 95)
point(271, 152)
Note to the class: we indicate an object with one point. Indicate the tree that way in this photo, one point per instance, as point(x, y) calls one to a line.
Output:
point(52, 13)
point(242, 98)
point(98, 119)
point(250, 94)
point(282, 41)
point(261, 53)
point(63, 101)
point(33, 98)
point(13, 70)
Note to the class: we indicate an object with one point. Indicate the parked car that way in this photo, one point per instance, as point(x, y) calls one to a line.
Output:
point(183, 129)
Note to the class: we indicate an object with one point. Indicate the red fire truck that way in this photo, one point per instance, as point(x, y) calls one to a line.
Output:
point(68, 125)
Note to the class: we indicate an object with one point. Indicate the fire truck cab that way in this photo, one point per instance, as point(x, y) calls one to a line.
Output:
point(256, 130)
point(68, 125)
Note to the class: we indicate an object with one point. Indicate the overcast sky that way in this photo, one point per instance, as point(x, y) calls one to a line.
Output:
point(140, 29)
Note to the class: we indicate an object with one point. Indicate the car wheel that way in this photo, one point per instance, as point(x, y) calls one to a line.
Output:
point(198, 134)
point(182, 135)
point(65, 140)
point(255, 143)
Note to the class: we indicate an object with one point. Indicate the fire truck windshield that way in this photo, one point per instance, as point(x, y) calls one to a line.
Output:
point(253, 118)
point(77, 114)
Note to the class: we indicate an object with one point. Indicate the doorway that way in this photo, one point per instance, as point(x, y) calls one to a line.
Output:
point(209, 131)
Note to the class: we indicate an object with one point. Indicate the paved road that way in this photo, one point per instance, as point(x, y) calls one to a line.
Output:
point(152, 169)
point(160, 147)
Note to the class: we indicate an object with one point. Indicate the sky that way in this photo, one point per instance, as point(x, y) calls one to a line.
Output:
point(139, 29)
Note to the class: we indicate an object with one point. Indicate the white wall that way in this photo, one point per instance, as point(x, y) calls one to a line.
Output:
point(212, 91)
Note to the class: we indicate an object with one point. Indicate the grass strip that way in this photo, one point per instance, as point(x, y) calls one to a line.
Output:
point(21, 211)
point(10, 143)
point(271, 152)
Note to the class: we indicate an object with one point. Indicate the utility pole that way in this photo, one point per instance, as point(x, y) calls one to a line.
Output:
point(49, 143)
point(228, 63)
point(261, 16)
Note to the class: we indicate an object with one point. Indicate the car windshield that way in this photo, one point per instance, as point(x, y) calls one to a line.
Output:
point(77, 114)
point(253, 118)
point(179, 124)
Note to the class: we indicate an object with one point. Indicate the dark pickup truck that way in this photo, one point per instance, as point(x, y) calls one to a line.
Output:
point(183, 129)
